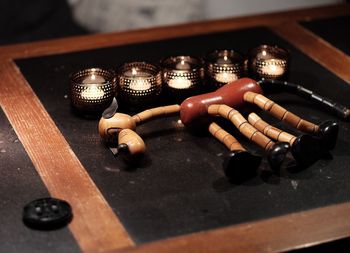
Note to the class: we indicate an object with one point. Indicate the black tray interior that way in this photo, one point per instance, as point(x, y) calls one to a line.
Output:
point(182, 188)
point(334, 30)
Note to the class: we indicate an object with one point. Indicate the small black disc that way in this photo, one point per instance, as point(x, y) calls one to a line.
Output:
point(47, 214)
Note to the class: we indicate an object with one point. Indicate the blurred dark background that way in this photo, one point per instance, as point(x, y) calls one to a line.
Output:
point(30, 20)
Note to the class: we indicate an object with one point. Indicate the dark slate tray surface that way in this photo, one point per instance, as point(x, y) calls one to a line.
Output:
point(181, 188)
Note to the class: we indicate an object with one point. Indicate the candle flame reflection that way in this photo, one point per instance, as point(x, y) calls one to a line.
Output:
point(92, 93)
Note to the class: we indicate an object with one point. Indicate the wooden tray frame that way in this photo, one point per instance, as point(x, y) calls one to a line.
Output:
point(95, 227)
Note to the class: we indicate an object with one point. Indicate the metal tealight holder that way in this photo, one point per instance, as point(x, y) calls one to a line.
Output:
point(223, 66)
point(139, 84)
point(268, 62)
point(183, 76)
point(92, 90)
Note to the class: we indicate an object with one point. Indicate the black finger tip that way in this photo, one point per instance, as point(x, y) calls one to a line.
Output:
point(306, 149)
point(277, 154)
point(328, 134)
point(241, 165)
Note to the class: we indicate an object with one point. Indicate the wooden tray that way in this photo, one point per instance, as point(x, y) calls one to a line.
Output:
point(173, 204)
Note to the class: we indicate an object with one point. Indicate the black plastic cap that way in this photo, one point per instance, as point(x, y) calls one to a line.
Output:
point(241, 165)
point(277, 154)
point(328, 134)
point(47, 214)
point(306, 149)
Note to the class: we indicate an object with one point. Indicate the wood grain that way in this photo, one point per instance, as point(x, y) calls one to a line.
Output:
point(318, 49)
point(269, 130)
point(227, 139)
point(156, 112)
point(241, 124)
point(283, 233)
point(94, 226)
point(280, 113)
point(79, 43)
point(136, 145)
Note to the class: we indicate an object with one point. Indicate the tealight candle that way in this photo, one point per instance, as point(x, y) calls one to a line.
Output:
point(138, 79)
point(139, 83)
point(224, 60)
point(92, 90)
point(223, 66)
point(179, 83)
point(225, 77)
point(182, 75)
point(272, 67)
point(183, 65)
point(92, 93)
point(269, 62)
point(93, 79)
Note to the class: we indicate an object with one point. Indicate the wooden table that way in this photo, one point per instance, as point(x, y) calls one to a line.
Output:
point(96, 227)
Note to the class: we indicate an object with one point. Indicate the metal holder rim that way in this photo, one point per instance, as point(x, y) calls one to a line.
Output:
point(196, 61)
point(273, 52)
point(136, 97)
point(213, 68)
point(91, 103)
point(212, 56)
point(276, 51)
point(195, 74)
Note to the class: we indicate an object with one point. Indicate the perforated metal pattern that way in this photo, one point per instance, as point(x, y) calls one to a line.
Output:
point(269, 62)
point(139, 91)
point(92, 97)
point(219, 74)
point(183, 82)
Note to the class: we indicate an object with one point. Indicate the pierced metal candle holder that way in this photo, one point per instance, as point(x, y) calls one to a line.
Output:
point(92, 90)
point(139, 83)
point(223, 66)
point(268, 62)
point(182, 75)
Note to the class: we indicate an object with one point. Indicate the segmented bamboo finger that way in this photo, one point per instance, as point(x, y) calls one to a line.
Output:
point(241, 124)
point(280, 113)
point(269, 130)
point(155, 112)
point(230, 142)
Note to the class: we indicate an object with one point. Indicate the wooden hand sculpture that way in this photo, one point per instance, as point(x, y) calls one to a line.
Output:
point(199, 111)
point(327, 131)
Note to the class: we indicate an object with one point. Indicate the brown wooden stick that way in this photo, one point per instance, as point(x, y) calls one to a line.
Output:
point(230, 142)
point(269, 130)
point(280, 113)
point(155, 112)
point(242, 125)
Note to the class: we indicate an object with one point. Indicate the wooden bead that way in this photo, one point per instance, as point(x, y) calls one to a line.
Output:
point(258, 100)
point(280, 113)
point(269, 130)
point(242, 125)
point(230, 142)
point(110, 128)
